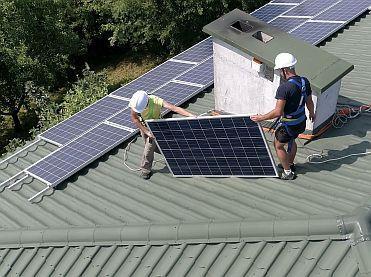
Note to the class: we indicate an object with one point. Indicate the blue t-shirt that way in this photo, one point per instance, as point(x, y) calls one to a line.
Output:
point(292, 93)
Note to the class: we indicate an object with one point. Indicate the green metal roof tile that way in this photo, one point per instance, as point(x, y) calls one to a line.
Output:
point(106, 196)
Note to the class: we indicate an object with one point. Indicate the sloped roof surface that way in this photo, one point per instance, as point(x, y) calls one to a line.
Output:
point(107, 194)
point(321, 258)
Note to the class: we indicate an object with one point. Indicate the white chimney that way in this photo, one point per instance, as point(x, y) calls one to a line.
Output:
point(244, 79)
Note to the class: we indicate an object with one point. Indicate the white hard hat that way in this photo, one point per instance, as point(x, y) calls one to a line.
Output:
point(284, 60)
point(138, 101)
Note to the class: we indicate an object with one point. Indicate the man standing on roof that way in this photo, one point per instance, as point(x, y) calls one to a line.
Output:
point(292, 97)
point(143, 107)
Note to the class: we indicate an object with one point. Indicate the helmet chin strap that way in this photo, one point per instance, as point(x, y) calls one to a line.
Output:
point(284, 74)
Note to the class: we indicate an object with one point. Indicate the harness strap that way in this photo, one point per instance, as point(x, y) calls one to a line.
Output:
point(296, 117)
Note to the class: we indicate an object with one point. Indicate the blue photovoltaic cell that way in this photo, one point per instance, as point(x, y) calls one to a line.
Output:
point(344, 11)
point(123, 118)
point(268, 12)
point(84, 120)
point(176, 94)
point(197, 53)
point(287, 24)
point(315, 32)
point(202, 74)
point(69, 159)
point(217, 146)
point(310, 8)
point(153, 79)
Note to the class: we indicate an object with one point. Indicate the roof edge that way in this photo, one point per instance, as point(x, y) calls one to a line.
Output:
point(292, 229)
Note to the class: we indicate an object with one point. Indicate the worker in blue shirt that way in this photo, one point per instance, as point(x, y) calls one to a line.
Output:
point(292, 97)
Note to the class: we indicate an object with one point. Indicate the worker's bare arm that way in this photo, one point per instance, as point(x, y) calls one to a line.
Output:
point(176, 109)
point(136, 120)
point(310, 107)
point(276, 112)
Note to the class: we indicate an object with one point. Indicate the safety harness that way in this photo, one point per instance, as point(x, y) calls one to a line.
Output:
point(296, 117)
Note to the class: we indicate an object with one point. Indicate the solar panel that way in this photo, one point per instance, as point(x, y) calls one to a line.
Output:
point(154, 78)
point(287, 23)
point(214, 147)
point(268, 12)
point(311, 8)
point(315, 32)
point(343, 11)
point(69, 159)
point(311, 20)
point(176, 93)
point(198, 52)
point(84, 120)
point(202, 74)
point(124, 119)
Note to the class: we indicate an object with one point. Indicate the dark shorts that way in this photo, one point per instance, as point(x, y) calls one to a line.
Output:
point(283, 136)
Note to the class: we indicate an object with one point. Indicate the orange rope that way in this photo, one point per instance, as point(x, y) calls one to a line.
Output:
point(343, 111)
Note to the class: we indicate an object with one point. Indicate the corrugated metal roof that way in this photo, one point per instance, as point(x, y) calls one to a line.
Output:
point(297, 258)
point(107, 194)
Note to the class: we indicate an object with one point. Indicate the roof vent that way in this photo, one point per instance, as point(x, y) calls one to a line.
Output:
point(262, 36)
point(242, 26)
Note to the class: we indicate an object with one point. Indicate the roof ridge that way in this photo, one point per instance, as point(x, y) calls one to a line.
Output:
point(289, 229)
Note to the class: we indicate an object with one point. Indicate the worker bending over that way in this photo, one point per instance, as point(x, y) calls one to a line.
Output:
point(292, 96)
point(145, 107)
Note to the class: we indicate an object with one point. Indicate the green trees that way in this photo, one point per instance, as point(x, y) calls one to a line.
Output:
point(44, 43)
point(163, 25)
point(36, 44)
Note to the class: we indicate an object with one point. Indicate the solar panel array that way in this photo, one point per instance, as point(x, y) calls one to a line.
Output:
point(84, 120)
point(67, 160)
point(196, 74)
point(213, 147)
point(154, 78)
point(311, 20)
point(102, 126)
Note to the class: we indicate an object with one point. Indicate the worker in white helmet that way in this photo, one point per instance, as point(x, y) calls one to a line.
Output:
point(292, 97)
point(143, 107)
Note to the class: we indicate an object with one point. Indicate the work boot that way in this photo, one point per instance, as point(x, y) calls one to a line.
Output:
point(146, 175)
point(290, 176)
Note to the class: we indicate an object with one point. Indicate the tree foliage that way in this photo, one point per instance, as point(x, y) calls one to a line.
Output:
point(36, 44)
point(87, 90)
point(43, 41)
point(164, 25)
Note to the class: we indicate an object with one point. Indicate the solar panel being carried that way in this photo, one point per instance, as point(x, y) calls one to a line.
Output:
point(214, 147)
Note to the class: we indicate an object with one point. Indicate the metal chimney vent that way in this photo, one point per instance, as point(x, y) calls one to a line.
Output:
point(242, 26)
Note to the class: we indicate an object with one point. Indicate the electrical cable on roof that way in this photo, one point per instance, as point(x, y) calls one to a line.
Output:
point(126, 157)
point(127, 148)
point(340, 118)
point(320, 156)
point(346, 112)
